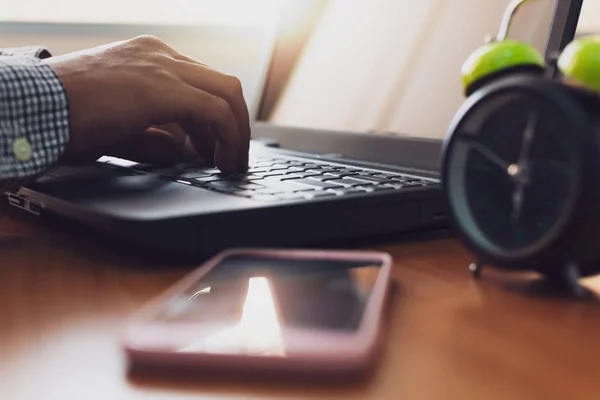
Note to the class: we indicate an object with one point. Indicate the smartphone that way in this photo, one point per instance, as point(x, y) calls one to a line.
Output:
point(297, 311)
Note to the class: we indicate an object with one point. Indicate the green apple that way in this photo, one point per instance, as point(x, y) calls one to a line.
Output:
point(580, 62)
point(495, 57)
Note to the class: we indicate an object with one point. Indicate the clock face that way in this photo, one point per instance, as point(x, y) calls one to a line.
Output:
point(513, 172)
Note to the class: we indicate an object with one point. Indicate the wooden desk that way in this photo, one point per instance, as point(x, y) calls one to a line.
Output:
point(62, 304)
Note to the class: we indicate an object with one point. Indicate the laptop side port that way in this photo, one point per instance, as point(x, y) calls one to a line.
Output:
point(29, 205)
point(433, 214)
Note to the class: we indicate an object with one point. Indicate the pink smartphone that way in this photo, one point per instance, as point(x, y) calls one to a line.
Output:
point(296, 311)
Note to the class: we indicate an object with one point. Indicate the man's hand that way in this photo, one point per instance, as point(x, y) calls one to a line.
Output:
point(139, 99)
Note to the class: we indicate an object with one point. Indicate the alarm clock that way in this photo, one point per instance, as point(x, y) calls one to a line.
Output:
point(521, 161)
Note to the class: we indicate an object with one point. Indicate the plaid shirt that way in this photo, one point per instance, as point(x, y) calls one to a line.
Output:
point(34, 116)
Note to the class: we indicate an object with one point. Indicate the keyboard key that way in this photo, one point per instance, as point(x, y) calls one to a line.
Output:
point(263, 165)
point(410, 185)
point(383, 176)
point(348, 170)
point(296, 164)
point(322, 170)
point(298, 175)
point(287, 186)
point(221, 184)
point(334, 175)
point(404, 178)
point(253, 178)
point(207, 180)
point(396, 185)
point(210, 171)
point(350, 181)
point(293, 170)
point(268, 174)
point(345, 191)
point(312, 166)
point(194, 175)
point(371, 179)
point(230, 177)
point(254, 170)
point(380, 188)
point(278, 168)
point(318, 195)
point(315, 183)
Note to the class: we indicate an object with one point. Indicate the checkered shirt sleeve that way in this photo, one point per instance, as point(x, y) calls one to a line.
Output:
point(34, 116)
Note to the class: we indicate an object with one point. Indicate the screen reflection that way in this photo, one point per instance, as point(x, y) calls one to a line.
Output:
point(246, 304)
point(257, 331)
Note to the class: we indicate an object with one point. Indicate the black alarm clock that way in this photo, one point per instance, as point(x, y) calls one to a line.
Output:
point(521, 161)
point(520, 176)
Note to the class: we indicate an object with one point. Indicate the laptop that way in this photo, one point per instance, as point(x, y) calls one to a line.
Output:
point(346, 139)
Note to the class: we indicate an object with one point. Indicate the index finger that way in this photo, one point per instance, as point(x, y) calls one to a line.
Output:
point(227, 87)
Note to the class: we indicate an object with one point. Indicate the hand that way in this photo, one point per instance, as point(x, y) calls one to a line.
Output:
point(139, 99)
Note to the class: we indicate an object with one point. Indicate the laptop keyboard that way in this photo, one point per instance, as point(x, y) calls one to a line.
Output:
point(277, 179)
point(283, 179)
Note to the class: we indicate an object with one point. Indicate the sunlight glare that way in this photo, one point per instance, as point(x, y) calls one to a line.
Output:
point(259, 329)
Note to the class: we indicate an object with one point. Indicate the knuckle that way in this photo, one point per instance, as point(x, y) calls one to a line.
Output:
point(150, 41)
point(234, 87)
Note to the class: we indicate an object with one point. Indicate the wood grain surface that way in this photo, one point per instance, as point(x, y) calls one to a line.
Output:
point(63, 300)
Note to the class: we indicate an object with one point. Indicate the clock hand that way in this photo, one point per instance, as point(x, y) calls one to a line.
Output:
point(527, 139)
point(517, 170)
point(517, 201)
point(490, 155)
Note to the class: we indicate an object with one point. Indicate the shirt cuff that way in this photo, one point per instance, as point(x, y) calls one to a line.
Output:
point(26, 51)
point(34, 119)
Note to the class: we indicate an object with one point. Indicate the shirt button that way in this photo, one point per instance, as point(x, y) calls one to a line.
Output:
point(22, 149)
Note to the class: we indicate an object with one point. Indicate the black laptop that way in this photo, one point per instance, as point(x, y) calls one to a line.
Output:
point(323, 169)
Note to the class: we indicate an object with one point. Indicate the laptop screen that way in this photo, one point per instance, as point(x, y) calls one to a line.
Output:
point(383, 67)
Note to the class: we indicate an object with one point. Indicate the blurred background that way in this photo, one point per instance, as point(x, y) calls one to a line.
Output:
point(589, 20)
point(231, 35)
point(381, 66)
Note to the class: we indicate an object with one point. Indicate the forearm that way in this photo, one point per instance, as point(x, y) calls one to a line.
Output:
point(34, 120)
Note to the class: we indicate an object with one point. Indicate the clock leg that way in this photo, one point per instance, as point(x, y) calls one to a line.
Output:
point(475, 268)
point(570, 278)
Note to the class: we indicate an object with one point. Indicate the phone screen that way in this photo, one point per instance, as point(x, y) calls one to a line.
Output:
point(246, 302)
